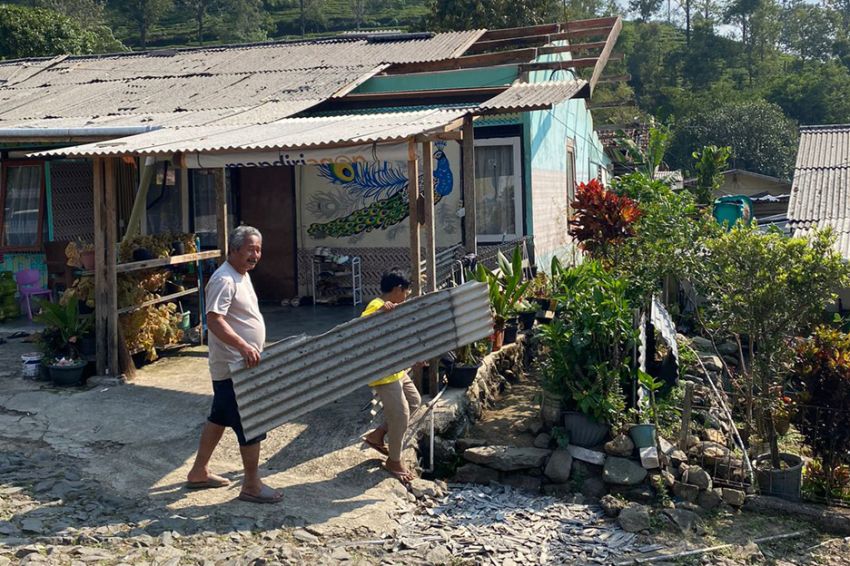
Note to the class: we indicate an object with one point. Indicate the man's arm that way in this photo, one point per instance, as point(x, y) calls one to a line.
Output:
point(224, 332)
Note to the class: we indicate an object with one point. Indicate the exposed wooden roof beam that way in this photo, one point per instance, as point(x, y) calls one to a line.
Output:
point(582, 63)
point(587, 32)
point(551, 49)
point(466, 62)
point(508, 33)
point(524, 41)
point(605, 56)
point(606, 22)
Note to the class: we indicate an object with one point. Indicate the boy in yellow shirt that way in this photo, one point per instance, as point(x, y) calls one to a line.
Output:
point(397, 392)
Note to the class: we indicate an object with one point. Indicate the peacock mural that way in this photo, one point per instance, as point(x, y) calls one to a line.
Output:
point(381, 187)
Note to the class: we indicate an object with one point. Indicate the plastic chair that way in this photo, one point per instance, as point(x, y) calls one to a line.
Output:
point(28, 281)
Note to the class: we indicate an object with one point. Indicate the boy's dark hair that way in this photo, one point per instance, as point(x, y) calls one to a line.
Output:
point(394, 278)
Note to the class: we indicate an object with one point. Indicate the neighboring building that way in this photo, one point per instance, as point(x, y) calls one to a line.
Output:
point(820, 193)
point(770, 195)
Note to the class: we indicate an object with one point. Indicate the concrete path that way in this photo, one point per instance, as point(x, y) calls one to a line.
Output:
point(139, 440)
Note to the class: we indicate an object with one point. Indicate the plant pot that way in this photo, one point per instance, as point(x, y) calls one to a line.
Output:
point(87, 259)
point(68, 375)
point(30, 363)
point(780, 483)
point(510, 334)
point(185, 321)
point(141, 254)
point(584, 431)
point(43, 372)
point(178, 248)
point(498, 338)
point(526, 320)
point(462, 377)
point(84, 308)
point(643, 435)
point(550, 409)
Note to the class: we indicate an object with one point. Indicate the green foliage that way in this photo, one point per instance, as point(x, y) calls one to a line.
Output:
point(588, 340)
point(602, 220)
point(768, 288)
point(38, 32)
point(506, 286)
point(761, 137)
point(649, 161)
point(144, 14)
point(64, 327)
point(823, 367)
point(448, 15)
point(710, 164)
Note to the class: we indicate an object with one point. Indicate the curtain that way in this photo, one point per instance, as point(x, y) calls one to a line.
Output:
point(164, 208)
point(22, 206)
point(495, 190)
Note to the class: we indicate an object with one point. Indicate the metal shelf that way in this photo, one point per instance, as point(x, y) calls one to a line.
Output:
point(351, 269)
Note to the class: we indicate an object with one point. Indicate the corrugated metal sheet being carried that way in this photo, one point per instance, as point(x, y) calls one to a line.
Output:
point(522, 97)
point(304, 374)
point(820, 192)
point(289, 133)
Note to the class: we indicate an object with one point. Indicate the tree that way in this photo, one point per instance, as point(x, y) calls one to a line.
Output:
point(362, 8)
point(645, 8)
point(244, 21)
point(710, 164)
point(38, 32)
point(448, 15)
point(144, 14)
point(762, 138)
point(201, 10)
point(809, 31)
point(89, 15)
point(813, 94)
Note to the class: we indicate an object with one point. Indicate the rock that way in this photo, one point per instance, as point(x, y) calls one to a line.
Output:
point(734, 497)
point(466, 443)
point(522, 482)
point(695, 475)
point(473, 473)
point(677, 457)
point(714, 435)
point(649, 458)
point(438, 555)
point(641, 493)
point(559, 466)
point(686, 491)
point(620, 471)
point(507, 458)
point(702, 344)
point(685, 521)
point(558, 489)
point(593, 488)
point(621, 445)
point(587, 455)
point(669, 479)
point(26, 551)
point(712, 363)
point(728, 348)
point(612, 505)
point(710, 499)
point(423, 488)
point(711, 452)
point(749, 553)
point(542, 440)
point(534, 426)
point(634, 518)
point(304, 536)
point(32, 525)
point(340, 554)
point(7, 528)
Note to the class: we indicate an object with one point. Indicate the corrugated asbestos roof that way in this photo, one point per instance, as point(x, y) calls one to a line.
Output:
point(521, 97)
point(820, 192)
point(304, 374)
point(288, 133)
point(242, 84)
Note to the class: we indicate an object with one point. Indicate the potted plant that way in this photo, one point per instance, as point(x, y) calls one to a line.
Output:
point(526, 313)
point(763, 289)
point(64, 328)
point(467, 362)
point(506, 289)
point(644, 434)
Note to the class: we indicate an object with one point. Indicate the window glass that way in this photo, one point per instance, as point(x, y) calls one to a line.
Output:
point(164, 207)
point(497, 190)
point(204, 205)
point(22, 206)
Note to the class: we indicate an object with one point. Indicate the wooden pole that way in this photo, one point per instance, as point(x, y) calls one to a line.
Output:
point(134, 224)
point(184, 198)
point(222, 229)
point(415, 249)
point(110, 190)
point(101, 303)
point(686, 416)
point(470, 229)
point(430, 248)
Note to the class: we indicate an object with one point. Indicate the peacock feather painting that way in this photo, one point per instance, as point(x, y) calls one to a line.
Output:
point(382, 188)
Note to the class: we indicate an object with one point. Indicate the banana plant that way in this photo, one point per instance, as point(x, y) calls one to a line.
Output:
point(506, 286)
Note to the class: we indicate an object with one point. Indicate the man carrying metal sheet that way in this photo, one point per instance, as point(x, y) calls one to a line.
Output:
point(397, 392)
point(237, 333)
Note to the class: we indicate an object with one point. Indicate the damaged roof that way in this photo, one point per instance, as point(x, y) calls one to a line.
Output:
point(820, 192)
point(247, 84)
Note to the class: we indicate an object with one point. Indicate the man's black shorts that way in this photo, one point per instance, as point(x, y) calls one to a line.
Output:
point(225, 411)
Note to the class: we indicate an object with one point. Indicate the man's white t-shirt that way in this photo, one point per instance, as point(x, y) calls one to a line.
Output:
point(231, 294)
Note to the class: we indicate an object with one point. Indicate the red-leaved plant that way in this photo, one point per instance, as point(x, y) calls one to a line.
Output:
point(602, 219)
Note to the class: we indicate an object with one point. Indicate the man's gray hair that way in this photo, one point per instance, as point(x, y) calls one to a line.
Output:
point(240, 234)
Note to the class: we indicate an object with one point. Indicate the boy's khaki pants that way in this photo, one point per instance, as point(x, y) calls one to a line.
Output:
point(400, 400)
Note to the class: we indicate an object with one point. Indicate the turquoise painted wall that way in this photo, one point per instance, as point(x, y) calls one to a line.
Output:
point(15, 262)
point(468, 78)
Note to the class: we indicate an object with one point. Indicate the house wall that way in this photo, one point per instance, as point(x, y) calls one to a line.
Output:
point(361, 209)
point(738, 184)
point(15, 262)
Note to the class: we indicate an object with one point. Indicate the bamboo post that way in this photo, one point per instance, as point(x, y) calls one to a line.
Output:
point(139, 203)
point(222, 228)
point(110, 190)
point(101, 303)
point(686, 416)
point(470, 228)
point(430, 247)
point(415, 249)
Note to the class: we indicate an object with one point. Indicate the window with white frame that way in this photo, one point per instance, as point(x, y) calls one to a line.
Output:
point(498, 189)
point(22, 202)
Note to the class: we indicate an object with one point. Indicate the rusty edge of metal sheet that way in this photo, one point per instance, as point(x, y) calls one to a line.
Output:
point(305, 374)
